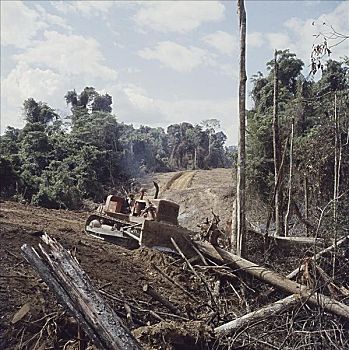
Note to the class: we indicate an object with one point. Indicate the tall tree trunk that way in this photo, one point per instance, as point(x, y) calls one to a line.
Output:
point(233, 229)
point(289, 180)
point(335, 183)
point(241, 215)
point(195, 165)
point(277, 154)
point(306, 202)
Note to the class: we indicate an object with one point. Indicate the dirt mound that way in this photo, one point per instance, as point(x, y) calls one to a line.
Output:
point(31, 318)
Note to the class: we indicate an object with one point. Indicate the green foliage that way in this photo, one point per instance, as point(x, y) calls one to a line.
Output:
point(38, 112)
point(311, 105)
point(57, 163)
point(8, 178)
point(260, 165)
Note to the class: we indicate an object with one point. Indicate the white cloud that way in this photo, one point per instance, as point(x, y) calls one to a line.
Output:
point(299, 34)
point(48, 69)
point(177, 16)
point(185, 59)
point(52, 19)
point(162, 112)
point(255, 40)
point(229, 70)
point(311, 3)
point(302, 31)
point(85, 8)
point(137, 97)
point(19, 24)
point(278, 41)
point(224, 42)
point(178, 57)
point(68, 54)
point(24, 82)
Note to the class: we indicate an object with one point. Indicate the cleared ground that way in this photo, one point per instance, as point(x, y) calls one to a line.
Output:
point(122, 273)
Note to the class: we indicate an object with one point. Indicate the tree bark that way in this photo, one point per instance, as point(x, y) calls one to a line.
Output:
point(295, 272)
point(335, 183)
point(277, 154)
point(277, 184)
point(309, 226)
point(258, 315)
point(289, 180)
point(233, 229)
point(306, 202)
point(285, 284)
point(241, 215)
point(75, 291)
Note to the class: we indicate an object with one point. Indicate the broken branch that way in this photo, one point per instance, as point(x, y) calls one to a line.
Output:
point(64, 276)
point(255, 316)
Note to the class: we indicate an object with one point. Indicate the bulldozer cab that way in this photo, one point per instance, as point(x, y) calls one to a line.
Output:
point(155, 209)
point(115, 205)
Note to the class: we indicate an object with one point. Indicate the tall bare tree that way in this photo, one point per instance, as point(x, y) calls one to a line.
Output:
point(287, 217)
point(277, 153)
point(241, 207)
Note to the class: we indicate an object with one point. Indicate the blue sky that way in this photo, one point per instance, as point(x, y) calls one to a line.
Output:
point(162, 62)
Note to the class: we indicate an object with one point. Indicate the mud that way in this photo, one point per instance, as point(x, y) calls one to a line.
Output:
point(121, 275)
point(118, 271)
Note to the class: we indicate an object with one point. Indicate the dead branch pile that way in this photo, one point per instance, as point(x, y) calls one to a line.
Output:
point(223, 302)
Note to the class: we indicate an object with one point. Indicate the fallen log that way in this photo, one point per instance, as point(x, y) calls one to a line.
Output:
point(298, 240)
point(295, 272)
point(283, 283)
point(291, 240)
point(330, 283)
point(258, 315)
point(75, 291)
point(299, 269)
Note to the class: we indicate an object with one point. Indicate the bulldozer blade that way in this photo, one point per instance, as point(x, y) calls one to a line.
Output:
point(106, 233)
point(158, 235)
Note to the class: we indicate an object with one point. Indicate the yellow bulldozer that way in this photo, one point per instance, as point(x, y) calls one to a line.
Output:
point(132, 223)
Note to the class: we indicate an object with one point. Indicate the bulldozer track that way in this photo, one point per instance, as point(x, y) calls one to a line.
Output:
point(181, 181)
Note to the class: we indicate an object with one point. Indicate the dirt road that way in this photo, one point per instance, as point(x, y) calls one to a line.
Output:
point(198, 193)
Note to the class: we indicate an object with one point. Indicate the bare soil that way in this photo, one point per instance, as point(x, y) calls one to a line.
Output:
point(121, 274)
point(122, 271)
point(199, 192)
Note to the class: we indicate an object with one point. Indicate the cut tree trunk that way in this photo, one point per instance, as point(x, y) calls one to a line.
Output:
point(241, 181)
point(282, 282)
point(277, 154)
point(233, 229)
point(75, 291)
point(287, 216)
point(258, 315)
point(306, 204)
point(295, 272)
point(276, 188)
point(285, 284)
